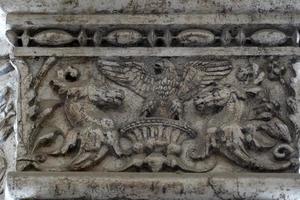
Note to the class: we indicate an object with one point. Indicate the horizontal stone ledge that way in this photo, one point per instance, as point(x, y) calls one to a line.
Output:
point(146, 6)
point(155, 51)
point(152, 186)
point(46, 20)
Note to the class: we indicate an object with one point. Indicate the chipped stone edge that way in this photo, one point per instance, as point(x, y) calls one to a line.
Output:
point(154, 51)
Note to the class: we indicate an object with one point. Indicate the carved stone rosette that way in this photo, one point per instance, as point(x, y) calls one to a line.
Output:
point(156, 95)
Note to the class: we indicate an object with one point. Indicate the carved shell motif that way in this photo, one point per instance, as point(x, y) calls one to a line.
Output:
point(124, 37)
point(53, 37)
point(270, 37)
point(194, 37)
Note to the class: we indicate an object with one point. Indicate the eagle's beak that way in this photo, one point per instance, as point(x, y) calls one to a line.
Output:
point(158, 68)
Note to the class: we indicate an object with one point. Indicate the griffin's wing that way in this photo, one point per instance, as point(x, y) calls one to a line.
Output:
point(200, 74)
point(131, 75)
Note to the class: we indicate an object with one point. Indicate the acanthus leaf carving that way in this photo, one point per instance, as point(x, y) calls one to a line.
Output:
point(3, 169)
point(7, 111)
point(8, 118)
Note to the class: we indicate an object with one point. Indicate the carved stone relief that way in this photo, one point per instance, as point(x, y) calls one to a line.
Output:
point(174, 93)
point(7, 119)
point(149, 37)
point(157, 114)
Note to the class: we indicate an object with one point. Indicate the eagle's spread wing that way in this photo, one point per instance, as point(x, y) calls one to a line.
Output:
point(200, 74)
point(131, 75)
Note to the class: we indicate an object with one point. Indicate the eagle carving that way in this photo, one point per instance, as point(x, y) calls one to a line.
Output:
point(163, 89)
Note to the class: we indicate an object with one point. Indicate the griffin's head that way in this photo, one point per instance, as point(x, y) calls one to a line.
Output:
point(163, 66)
point(212, 99)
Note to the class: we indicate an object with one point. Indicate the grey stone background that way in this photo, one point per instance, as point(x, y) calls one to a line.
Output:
point(150, 6)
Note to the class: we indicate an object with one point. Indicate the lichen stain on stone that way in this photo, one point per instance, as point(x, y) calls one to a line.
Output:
point(147, 7)
point(73, 3)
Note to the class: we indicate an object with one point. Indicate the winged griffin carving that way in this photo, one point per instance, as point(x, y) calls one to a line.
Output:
point(163, 133)
point(163, 90)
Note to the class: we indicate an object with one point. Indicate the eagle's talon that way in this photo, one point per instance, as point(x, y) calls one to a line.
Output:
point(176, 109)
point(145, 114)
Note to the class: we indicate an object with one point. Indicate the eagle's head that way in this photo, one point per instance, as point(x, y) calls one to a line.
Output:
point(163, 67)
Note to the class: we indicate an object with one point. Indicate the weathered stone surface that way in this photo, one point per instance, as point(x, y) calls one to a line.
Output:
point(154, 30)
point(150, 6)
point(43, 20)
point(162, 186)
point(163, 52)
point(156, 114)
point(176, 93)
point(8, 78)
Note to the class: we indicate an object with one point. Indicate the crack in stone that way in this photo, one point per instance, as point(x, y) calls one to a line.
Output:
point(238, 191)
point(215, 190)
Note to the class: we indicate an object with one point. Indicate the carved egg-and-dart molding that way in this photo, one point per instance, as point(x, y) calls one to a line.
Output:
point(196, 37)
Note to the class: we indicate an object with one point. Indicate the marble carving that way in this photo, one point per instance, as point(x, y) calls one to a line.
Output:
point(157, 114)
point(121, 96)
point(154, 38)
